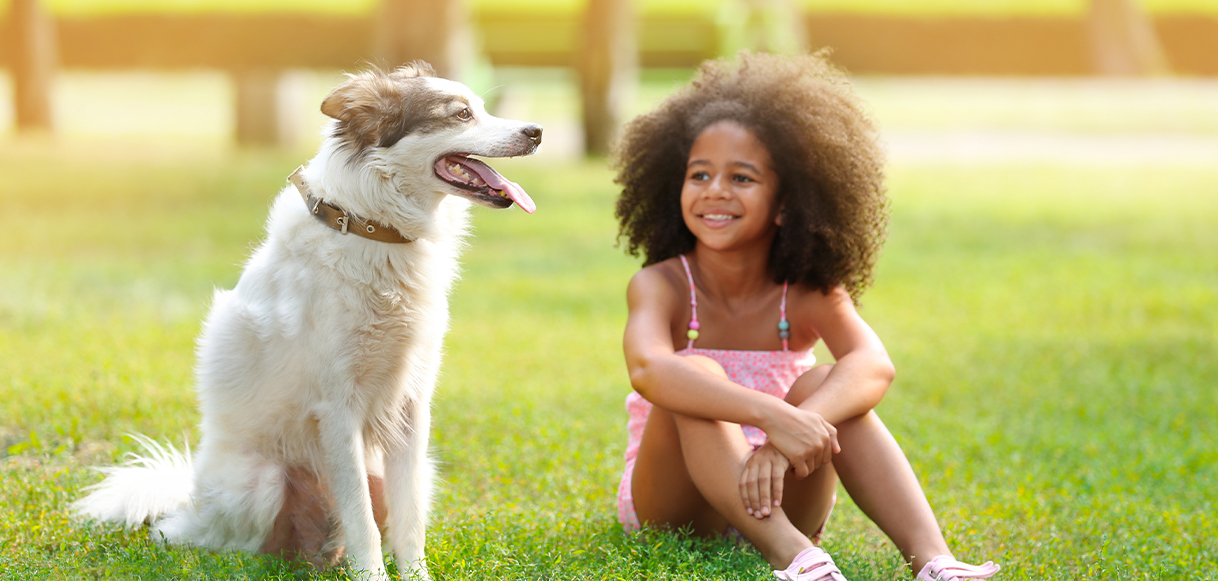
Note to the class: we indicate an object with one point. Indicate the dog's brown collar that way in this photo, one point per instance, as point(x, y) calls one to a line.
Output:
point(339, 219)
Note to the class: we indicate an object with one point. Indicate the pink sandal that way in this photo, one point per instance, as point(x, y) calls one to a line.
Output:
point(944, 568)
point(812, 564)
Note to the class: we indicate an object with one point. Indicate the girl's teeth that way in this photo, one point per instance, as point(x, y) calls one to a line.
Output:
point(717, 217)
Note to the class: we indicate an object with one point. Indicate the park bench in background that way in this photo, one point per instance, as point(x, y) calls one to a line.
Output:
point(605, 42)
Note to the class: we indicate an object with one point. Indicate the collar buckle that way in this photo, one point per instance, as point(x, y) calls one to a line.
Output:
point(339, 219)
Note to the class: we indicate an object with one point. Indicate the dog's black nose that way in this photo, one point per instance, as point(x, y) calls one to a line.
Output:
point(533, 132)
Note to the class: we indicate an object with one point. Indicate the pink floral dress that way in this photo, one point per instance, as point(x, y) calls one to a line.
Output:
point(771, 372)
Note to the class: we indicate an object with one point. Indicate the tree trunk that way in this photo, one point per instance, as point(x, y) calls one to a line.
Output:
point(608, 70)
point(34, 60)
point(1123, 40)
point(436, 31)
point(260, 119)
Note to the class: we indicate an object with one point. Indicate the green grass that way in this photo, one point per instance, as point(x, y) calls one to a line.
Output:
point(1053, 330)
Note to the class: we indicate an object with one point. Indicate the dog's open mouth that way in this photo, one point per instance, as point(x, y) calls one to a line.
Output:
point(483, 183)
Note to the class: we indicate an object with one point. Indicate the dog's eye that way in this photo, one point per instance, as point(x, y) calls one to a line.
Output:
point(465, 114)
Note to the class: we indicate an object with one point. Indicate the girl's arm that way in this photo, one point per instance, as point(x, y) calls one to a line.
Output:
point(863, 372)
point(668, 380)
point(854, 385)
point(683, 386)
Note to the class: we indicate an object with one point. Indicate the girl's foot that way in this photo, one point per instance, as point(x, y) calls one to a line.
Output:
point(944, 568)
point(811, 565)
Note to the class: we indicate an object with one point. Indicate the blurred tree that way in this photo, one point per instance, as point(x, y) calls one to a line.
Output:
point(34, 60)
point(1123, 39)
point(775, 26)
point(608, 70)
point(258, 106)
point(437, 31)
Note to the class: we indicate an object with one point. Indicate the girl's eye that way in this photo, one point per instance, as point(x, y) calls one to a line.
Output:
point(465, 114)
point(699, 176)
point(742, 178)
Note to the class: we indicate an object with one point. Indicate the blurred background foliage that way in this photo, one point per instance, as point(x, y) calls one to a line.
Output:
point(1048, 290)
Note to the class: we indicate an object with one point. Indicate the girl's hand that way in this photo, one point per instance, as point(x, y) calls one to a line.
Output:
point(762, 479)
point(806, 439)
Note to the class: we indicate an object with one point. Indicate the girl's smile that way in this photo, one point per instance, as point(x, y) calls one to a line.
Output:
point(728, 196)
point(717, 220)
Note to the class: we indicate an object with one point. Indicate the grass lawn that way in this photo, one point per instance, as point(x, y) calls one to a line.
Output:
point(1053, 329)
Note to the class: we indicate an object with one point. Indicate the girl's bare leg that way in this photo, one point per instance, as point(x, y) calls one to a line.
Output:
point(878, 477)
point(687, 474)
point(881, 482)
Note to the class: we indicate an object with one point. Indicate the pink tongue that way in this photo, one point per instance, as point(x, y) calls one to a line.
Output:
point(498, 182)
point(517, 194)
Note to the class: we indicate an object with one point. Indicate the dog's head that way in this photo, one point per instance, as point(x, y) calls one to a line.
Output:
point(412, 124)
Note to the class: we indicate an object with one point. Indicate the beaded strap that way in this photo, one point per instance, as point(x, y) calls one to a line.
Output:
point(692, 333)
point(784, 327)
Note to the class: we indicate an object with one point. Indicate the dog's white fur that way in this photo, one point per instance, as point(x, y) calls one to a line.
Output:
point(325, 354)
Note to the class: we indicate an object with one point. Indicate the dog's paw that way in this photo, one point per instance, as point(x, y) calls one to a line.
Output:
point(375, 574)
point(416, 571)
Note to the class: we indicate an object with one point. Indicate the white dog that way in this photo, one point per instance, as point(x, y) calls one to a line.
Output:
point(315, 373)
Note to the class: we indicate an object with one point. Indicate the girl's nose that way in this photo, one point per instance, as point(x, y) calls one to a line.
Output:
point(716, 188)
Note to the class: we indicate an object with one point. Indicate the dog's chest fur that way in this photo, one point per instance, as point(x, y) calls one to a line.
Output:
point(396, 316)
point(345, 321)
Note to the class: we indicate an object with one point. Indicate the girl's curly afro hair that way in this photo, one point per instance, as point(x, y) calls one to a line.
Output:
point(824, 147)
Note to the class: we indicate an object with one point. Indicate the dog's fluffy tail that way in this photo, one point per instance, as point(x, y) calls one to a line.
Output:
point(143, 489)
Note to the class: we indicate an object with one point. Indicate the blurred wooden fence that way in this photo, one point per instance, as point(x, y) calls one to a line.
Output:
point(256, 48)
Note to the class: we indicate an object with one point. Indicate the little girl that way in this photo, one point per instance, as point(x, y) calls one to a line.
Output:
point(756, 197)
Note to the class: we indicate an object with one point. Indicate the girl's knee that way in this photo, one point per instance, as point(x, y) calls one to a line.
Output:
point(707, 363)
point(671, 423)
point(808, 383)
point(866, 420)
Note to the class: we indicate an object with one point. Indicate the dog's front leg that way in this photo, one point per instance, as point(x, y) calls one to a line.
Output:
point(408, 476)
point(343, 443)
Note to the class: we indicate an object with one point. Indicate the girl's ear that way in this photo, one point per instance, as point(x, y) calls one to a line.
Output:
point(778, 218)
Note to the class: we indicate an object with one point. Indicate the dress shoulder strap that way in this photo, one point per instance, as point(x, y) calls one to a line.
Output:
point(784, 327)
point(692, 333)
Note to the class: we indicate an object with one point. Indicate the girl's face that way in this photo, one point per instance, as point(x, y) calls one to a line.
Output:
point(728, 197)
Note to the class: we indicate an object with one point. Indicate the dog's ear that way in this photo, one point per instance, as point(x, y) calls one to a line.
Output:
point(357, 92)
point(375, 84)
point(335, 103)
point(361, 105)
point(374, 108)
